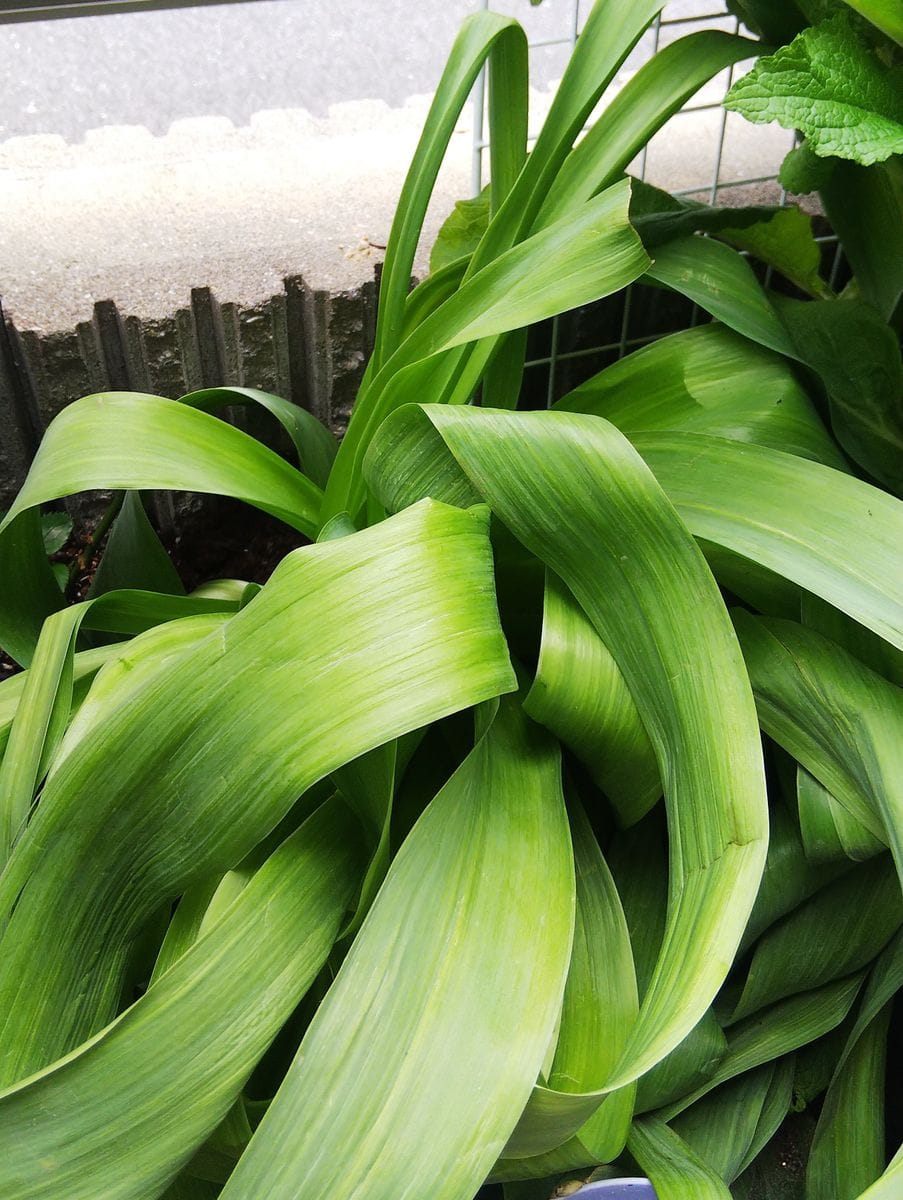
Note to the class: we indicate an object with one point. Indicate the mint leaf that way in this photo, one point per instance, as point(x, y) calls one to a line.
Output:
point(829, 84)
point(803, 172)
point(858, 360)
point(784, 240)
point(56, 529)
point(461, 231)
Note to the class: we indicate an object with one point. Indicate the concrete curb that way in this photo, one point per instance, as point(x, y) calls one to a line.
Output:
point(307, 344)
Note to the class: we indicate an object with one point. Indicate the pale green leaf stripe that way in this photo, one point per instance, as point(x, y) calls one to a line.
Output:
point(579, 693)
point(574, 492)
point(721, 281)
point(217, 746)
point(676, 1171)
point(132, 440)
point(599, 1010)
point(421, 1057)
point(736, 496)
point(118, 1117)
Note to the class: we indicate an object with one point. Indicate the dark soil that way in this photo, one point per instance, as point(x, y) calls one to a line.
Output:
point(229, 540)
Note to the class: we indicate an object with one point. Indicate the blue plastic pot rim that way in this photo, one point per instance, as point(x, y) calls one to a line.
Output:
point(617, 1189)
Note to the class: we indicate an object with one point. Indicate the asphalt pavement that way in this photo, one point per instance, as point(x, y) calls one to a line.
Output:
point(152, 68)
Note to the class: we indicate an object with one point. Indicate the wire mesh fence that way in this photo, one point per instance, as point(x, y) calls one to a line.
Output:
point(704, 154)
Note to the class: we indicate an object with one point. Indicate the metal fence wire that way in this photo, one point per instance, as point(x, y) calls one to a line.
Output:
point(566, 350)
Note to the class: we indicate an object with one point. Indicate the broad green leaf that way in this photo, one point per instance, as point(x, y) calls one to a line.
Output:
point(789, 879)
point(843, 722)
point(708, 380)
point(834, 933)
point(573, 492)
point(777, 1031)
point(56, 529)
point(35, 594)
point(598, 1012)
point(829, 831)
point(865, 208)
point(134, 556)
point(864, 383)
point(119, 1115)
point(736, 496)
point(578, 259)
point(721, 1127)
point(642, 106)
point(314, 444)
point(131, 440)
point(802, 171)
point(686, 1067)
point(786, 242)
point(848, 1149)
point(422, 1055)
point(720, 280)
point(829, 84)
point(580, 694)
point(775, 21)
point(675, 1170)
point(886, 14)
point(461, 231)
point(298, 696)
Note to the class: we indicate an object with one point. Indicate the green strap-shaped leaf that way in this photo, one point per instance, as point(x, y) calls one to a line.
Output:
point(777, 1031)
point(421, 1057)
point(85, 664)
point(838, 930)
point(580, 694)
point(599, 1010)
point(118, 1117)
point(722, 1126)
point(482, 36)
point(658, 89)
point(829, 831)
point(843, 722)
point(847, 1151)
point(676, 1171)
point(574, 492)
point(132, 440)
point(736, 496)
point(314, 444)
point(864, 386)
point(42, 714)
point(215, 748)
point(789, 879)
point(30, 592)
point(581, 258)
point(722, 282)
point(708, 380)
point(134, 557)
point(865, 208)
